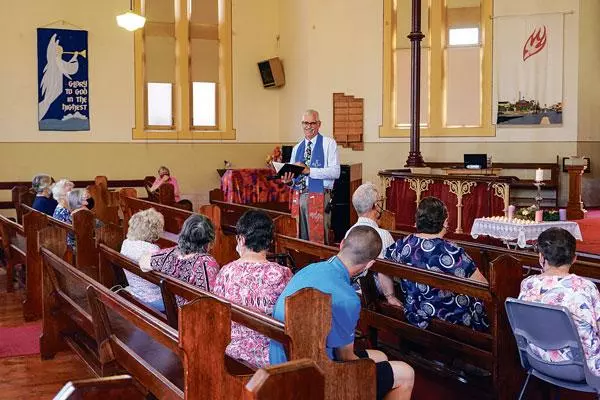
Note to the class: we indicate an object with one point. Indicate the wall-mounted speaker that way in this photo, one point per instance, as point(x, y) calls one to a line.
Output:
point(271, 72)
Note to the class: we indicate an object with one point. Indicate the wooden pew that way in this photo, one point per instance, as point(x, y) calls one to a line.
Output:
point(303, 334)
point(14, 247)
point(120, 387)
point(106, 202)
point(295, 380)
point(494, 351)
point(22, 195)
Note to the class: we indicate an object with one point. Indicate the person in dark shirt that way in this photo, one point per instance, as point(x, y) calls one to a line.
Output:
point(42, 185)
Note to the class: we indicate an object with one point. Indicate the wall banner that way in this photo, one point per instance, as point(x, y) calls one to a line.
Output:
point(63, 86)
point(529, 69)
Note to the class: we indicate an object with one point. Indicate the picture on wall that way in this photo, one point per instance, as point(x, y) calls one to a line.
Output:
point(63, 85)
point(529, 72)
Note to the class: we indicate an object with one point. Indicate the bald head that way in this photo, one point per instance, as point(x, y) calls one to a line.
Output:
point(360, 247)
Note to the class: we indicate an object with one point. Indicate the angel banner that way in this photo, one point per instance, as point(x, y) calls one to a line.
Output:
point(63, 86)
point(529, 69)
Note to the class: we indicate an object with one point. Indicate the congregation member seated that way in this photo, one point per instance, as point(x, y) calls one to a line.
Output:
point(253, 282)
point(164, 176)
point(358, 251)
point(145, 228)
point(62, 212)
point(556, 286)
point(44, 202)
point(368, 206)
point(189, 261)
point(427, 249)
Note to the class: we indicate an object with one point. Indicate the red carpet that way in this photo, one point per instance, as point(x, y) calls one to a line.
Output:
point(20, 340)
point(590, 230)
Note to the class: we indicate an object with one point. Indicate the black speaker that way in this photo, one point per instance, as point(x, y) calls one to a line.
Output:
point(340, 204)
point(286, 153)
point(271, 72)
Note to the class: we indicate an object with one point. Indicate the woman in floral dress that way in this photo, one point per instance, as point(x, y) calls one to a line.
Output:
point(253, 282)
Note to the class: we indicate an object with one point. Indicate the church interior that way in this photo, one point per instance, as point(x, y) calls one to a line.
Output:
point(182, 112)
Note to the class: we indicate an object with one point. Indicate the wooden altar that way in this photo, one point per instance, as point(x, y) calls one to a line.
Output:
point(466, 196)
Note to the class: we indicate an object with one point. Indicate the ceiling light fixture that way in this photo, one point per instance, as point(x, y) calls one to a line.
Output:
point(130, 20)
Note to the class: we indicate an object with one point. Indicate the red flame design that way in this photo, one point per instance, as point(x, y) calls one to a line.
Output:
point(535, 42)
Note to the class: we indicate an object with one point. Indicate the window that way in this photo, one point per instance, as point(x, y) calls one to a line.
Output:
point(456, 76)
point(183, 71)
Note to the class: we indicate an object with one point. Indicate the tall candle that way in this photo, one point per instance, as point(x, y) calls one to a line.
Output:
point(539, 175)
point(539, 216)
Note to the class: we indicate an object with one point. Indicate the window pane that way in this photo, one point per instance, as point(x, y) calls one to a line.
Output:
point(463, 36)
point(463, 86)
point(204, 61)
point(403, 87)
point(160, 100)
point(159, 60)
point(203, 99)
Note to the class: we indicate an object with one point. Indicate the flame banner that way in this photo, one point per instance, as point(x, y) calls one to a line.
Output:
point(528, 57)
point(63, 86)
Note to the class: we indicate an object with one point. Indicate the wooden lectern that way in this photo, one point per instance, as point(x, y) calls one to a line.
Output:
point(575, 205)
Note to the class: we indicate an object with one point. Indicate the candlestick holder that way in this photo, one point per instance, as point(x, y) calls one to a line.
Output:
point(538, 196)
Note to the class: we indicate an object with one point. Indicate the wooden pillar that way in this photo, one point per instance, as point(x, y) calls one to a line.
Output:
point(414, 156)
point(575, 205)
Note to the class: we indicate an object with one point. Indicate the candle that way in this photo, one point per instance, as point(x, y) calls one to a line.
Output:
point(539, 216)
point(539, 175)
point(511, 212)
point(562, 214)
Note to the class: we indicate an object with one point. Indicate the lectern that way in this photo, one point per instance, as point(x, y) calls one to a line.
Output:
point(575, 205)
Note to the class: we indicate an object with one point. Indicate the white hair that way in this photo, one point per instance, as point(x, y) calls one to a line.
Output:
point(312, 112)
point(364, 198)
point(61, 188)
point(76, 197)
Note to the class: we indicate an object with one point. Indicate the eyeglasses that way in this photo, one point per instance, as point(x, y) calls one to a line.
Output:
point(313, 123)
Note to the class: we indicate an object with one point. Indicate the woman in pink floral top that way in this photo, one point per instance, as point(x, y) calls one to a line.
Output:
point(557, 287)
point(253, 282)
point(189, 261)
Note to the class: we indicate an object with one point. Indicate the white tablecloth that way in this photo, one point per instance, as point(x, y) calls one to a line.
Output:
point(521, 233)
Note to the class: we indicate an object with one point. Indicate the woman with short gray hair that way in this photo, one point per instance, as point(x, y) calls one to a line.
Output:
point(189, 261)
point(42, 185)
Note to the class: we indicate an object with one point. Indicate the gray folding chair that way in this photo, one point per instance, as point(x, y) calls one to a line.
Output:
point(550, 327)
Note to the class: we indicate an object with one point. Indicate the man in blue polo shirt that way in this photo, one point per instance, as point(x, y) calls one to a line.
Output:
point(358, 252)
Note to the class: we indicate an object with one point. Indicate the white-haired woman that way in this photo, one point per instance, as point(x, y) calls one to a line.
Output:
point(44, 202)
point(145, 227)
point(67, 204)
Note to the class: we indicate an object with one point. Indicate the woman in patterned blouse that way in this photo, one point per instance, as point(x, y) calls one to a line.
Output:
point(253, 282)
point(189, 261)
point(556, 286)
point(427, 249)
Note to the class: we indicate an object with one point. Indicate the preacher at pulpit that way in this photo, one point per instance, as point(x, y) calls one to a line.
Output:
point(312, 190)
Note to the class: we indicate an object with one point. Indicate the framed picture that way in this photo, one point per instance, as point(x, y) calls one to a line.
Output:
point(588, 164)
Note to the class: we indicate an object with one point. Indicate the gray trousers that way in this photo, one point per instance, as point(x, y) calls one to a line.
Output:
point(304, 216)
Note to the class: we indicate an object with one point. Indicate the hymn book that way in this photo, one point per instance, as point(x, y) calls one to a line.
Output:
point(283, 168)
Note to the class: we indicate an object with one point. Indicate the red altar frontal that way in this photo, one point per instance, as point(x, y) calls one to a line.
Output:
point(251, 186)
point(466, 197)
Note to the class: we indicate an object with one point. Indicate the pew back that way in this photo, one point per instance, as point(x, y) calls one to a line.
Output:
point(120, 387)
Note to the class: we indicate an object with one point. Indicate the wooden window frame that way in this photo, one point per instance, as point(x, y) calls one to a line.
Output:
point(437, 62)
point(183, 128)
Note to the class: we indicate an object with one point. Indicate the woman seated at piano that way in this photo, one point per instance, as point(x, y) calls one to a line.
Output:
point(189, 261)
point(145, 228)
point(254, 282)
point(164, 176)
point(427, 249)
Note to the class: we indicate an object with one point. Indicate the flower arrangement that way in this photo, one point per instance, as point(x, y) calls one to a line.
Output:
point(528, 213)
point(275, 156)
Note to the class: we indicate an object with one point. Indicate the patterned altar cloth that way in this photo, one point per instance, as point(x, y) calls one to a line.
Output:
point(520, 232)
point(250, 185)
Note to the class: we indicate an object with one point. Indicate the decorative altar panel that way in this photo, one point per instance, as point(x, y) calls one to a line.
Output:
point(251, 186)
point(466, 197)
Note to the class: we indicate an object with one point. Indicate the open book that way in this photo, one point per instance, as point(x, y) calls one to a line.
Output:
point(282, 168)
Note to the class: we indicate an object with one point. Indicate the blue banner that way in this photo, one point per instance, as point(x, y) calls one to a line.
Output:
point(63, 86)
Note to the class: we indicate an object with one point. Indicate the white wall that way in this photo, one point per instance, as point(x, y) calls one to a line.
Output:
point(111, 69)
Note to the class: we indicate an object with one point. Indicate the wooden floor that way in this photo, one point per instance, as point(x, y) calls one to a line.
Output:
point(29, 377)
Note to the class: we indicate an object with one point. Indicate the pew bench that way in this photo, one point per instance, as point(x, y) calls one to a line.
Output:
point(303, 334)
point(119, 387)
point(14, 247)
point(162, 359)
point(494, 351)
